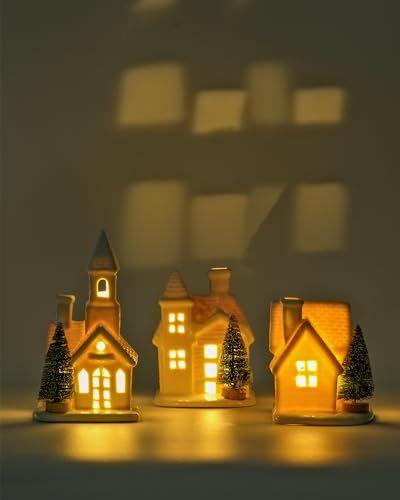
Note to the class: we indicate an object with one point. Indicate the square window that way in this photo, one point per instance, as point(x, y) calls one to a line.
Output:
point(96, 394)
point(172, 365)
point(171, 317)
point(96, 405)
point(106, 382)
point(210, 370)
point(210, 387)
point(172, 354)
point(312, 366)
point(172, 328)
point(181, 329)
point(301, 366)
point(181, 317)
point(301, 381)
point(95, 382)
point(181, 365)
point(107, 404)
point(211, 351)
point(106, 394)
point(312, 381)
point(182, 354)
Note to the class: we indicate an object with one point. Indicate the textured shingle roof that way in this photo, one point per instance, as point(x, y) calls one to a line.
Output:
point(175, 288)
point(103, 258)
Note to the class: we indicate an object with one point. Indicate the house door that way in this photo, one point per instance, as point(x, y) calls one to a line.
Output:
point(101, 387)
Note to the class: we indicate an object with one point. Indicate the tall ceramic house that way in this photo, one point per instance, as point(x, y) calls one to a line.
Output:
point(103, 361)
point(189, 339)
point(309, 341)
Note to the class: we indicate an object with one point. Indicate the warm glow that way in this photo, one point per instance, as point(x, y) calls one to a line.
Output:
point(105, 372)
point(172, 354)
point(181, 329)
point(96, 405)
point(312, 366)
point(120, 381)
point(96, 394)
point(172, 365)
point(103, 289)
point(171, 317)
point(301, 366)
point(301, 381)
point(172, 328)
point(181, 365)
point(83, 382)
point(180, 355)
point(312, 381)
point(211, 351)
point(210, 387)
point(319, 106)
point(306, 380)
point(181, 317)
point(100, 346)
point(210, 370)
point(106, 395)
point(95, 382)
point(107, 404)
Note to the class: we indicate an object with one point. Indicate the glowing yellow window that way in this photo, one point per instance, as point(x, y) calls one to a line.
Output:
point(210, 351)
point(103, 289)
point(306, 373)
point(107, 404)
point(96, 382)
point(181, 329)
point(120, 381)
point(175, 323)
point(106, 395)
point(100, 346)
point(96, 394)
point(96, 405)
point(83, 382)
point(172, 328)
point(210, 387)
point(210, 370)
point(177, 359)
point(171, 318)
point(181, 317)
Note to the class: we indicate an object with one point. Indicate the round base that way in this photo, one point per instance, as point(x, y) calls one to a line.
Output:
point(88, 416)
point(323, 418)
point(200, 401)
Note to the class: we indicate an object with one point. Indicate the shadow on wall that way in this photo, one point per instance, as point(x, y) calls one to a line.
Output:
point(198, 134)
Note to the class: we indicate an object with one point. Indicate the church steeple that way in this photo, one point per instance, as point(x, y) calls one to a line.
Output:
point(102, 306)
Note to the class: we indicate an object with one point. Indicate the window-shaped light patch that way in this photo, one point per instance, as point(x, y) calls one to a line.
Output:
point(319, 106)
point(83, 382)
point(210, 351)
point(120, 381)
point(177, 359)
point(218, 226)
point(218, 111)
point(153, 236)
point(103, 288)
point(210, 387)
point(320, 216)
point(151, 95)
point(269, 97)
point(210, 370)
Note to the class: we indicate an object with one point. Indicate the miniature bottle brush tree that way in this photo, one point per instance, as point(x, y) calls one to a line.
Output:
point(314, 349)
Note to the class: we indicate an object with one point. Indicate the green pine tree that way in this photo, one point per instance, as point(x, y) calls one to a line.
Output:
point(58, 373)
point(233, 369)
point(356, 381)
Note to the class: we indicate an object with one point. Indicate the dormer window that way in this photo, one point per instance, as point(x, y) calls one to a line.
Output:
point(176, 322)
point(103, 289)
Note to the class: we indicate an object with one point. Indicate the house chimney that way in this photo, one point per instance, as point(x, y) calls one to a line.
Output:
point(219, 280)
point(65, 305)
point(292, 315)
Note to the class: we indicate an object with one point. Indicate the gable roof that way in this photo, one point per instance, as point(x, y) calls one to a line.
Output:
point(175, 288)
point(304, 326)
point(220, 315)
point(119, 342)
point(103, 258)
point(74, 333)
point(332, 321)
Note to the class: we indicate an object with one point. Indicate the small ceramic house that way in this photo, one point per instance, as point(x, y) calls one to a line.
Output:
point(309, 341)
point(102, 360)
point(189, 339)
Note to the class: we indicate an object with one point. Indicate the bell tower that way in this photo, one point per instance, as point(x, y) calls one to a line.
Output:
point(102, 306)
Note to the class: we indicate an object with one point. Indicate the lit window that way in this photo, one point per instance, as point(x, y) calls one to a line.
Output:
point(106, 395)
point(171, 318)
point(303, 377)
point(172, 328)
point(96, 382)
point(177, 359)
point(181, 317)
point(210, 387)
point(210, 370)
point(103, 289)
point(107, 404)
point(105, 372)
point(96, 373)
point(181, 329)
point(96, 405)
point(96, 394)
point(211, 351)
point(100, 346)
point(120, 381)
point(83, 382)
point(106, 382)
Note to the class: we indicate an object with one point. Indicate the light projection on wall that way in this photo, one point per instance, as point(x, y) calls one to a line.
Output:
point(87, 375)
point(189, 363)
point(218, 111)
point(320, 216)
point(319, 106)
point(151, 95)
point(312, 345)
point(269, 93)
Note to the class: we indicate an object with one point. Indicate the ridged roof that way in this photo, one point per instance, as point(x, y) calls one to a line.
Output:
point(103, 258)
point(175, 288)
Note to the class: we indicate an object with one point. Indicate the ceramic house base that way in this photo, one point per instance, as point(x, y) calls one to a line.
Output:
point(202, 401)
point(41, 415)
point(322, 418)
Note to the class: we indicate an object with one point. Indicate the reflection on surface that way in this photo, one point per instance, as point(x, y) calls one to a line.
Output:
point(218, 225)
point(153, 223)
point(151, 95)
point(320, 214)
point(268, 86)
point(100, 442)
point(218, 110)
point(319, 106)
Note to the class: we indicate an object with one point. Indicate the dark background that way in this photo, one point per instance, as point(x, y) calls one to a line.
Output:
point(69, 165)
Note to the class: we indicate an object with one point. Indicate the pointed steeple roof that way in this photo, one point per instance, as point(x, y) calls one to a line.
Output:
point(103, 258)
point(175, 288)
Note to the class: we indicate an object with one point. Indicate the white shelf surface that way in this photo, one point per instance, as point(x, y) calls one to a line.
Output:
point(187, 450)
